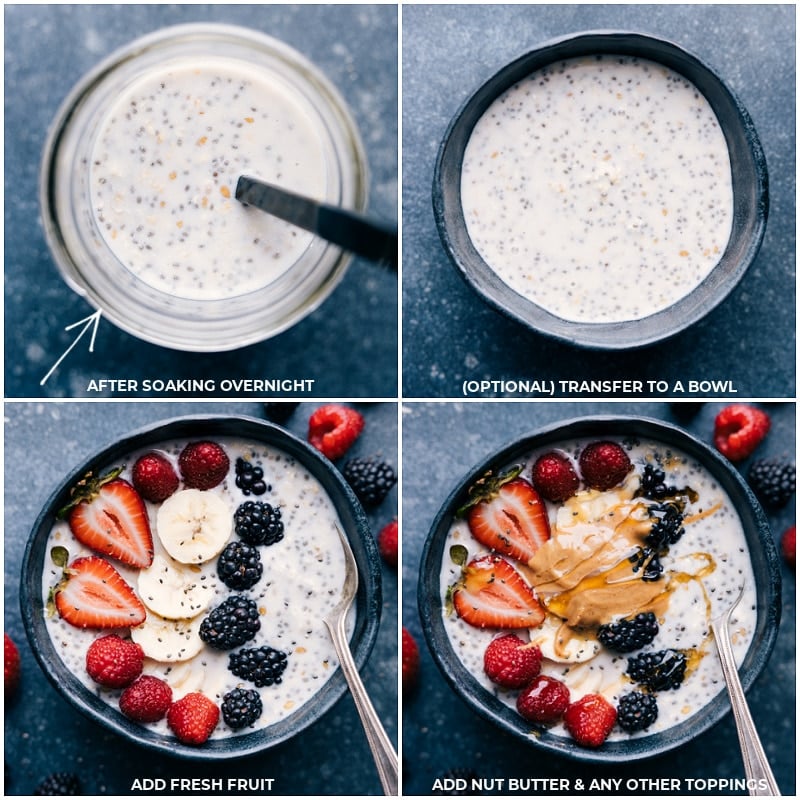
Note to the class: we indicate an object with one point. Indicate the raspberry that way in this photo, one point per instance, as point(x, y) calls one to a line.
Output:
point(370, 478)
point(114, 662)
point(332, 429)
point(628, 635)
point(739, 429)
point(636, 711)
point(147, 699)
point(193, 718)
point(590, 720)
point(387, 543)
point(788, 545)
point(154, 477)
point(11, 665)
point(410, 660)
point(544, 700)
point(554, 477)
point(604, 465)
point(203, 465)
point(510, 662)
point(773, 481)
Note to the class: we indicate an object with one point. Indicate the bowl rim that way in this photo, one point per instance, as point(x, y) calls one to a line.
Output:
point(355, 526)
point(628, 334)
point(487, 705)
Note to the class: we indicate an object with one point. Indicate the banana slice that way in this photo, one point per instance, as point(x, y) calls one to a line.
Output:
point(192, 676)
point(562, 645)
point(169, 640)
point(194, 525)
point(174, 590)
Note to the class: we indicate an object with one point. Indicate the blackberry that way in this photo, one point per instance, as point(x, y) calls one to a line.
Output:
point(370, 478)
point(280, 412)
point(59, 783)
point(231, 623)
point(667, 525)
point(239, 566)
point(628, 635)
point(258, 523)
point(652, 485)
point(773, 481)
point(250, 478)
point(657, 671)
point(261, 665)
point(636, 711)
point(241, 707)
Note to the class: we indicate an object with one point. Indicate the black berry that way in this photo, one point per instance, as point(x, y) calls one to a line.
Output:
point(628, 635)
point(241, 707)
point(279, 412)
point(230, 624)
point(250, 478)
point(773, 481)
point(258, 523)
point(657, 671)
point(636, 711)
point(63, 783)
point(370, 478)
point(239, 566)
point(261, 665)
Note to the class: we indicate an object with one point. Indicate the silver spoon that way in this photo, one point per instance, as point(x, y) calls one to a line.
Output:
point(756, 767)
point(382, 750)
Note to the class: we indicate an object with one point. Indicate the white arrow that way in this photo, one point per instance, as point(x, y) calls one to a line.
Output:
point(87, 322)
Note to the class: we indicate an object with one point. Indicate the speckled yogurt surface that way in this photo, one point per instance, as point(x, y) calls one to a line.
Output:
point(599, 188)
point(165, 166)
point(301, 582)
point(702, 573)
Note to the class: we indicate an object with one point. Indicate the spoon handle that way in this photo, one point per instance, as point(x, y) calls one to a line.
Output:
point(382, 750)
point(756, 767)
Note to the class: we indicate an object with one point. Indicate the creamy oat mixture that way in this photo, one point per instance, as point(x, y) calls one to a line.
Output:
point(599, 188)
point(302, 581)
point(164, 171)
point(703, 570)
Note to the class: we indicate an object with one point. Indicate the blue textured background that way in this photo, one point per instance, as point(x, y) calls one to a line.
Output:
point(349, 345)
point(449, 334)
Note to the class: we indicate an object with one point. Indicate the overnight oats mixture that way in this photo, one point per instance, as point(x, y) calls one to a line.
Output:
point(186, 587)
point(164, 169)
point(579, 586)
point(599, 188)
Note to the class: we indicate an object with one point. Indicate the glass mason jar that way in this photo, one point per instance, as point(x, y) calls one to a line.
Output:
point(271, 290)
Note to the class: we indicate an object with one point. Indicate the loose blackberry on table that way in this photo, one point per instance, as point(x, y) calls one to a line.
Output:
point(63, 783)
point(258, 523)
point(773, 481)
point(241, 707)
point(239, 566)
point(263, 665)
point(250, 478)
point(232, 623)
point(370, 478)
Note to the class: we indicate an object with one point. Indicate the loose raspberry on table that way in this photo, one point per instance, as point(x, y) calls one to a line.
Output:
point(590, 720)
point(789, 545)
point(11, 666)
point(114, 662)
point(410, 656)
point(604, 465)
point(739, 429)
point(387, 543)
point(510, 662)
point(333, 428)
point(544, 700)
point(147, 699)
point(193, 718)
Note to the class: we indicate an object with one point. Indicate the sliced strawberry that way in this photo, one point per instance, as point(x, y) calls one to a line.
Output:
point(111, 518)
point(511, 520)
point(94, 595)
point(492, 594)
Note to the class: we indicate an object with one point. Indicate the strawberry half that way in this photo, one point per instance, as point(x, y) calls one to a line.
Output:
point(94, 595)
point(492, 594)
point(507, 515)
point(108, 515)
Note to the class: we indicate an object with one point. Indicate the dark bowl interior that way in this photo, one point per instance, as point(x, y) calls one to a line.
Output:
point(750, 195)
point(355, 525)
point(766, 568)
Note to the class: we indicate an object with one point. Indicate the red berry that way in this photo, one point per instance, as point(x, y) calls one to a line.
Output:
point(604, 465)
point(332, 429)
point(387, 543)
point(114, 662)
point(510, 662)
point(147, 699)
point(193, 718)
point(410, 660)
point(544, 700)
point(590, 720)
point(788, 545)
point(739, 429)
point(154, 477)
point(203, 465)
point(554, 477)
point(11, 665)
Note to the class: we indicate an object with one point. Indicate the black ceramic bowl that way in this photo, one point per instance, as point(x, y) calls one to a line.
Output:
point(355, 526)
point(763, 555)
point(750, 197)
